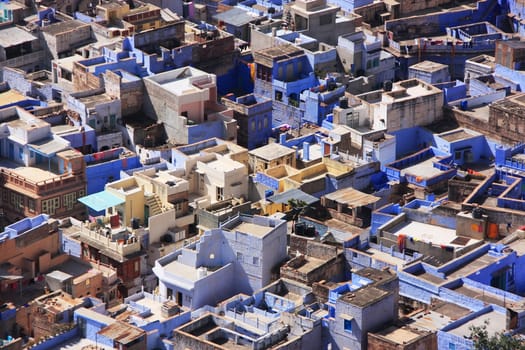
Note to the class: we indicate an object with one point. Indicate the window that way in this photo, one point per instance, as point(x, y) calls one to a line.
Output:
point(239, 256)
point(20, 153)
point(17, 201)
point(451, 346)
point(178, 206)
point(31, 205)
point(253, 125)
point(457, 155)
point(50, 205)
point(87, 282)
point(81, 193)
point(278, 97)
point(256, 261)
point(348, 325)
point(325, 19)
point(201, 181)
point(301, 23)
point(136, 266)
point(266, 122)
point(220, 193)
point(69, 200)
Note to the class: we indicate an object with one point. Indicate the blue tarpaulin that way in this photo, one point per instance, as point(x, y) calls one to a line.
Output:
point(101, 200)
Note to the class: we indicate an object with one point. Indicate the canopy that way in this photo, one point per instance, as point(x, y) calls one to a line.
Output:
point(101, 200)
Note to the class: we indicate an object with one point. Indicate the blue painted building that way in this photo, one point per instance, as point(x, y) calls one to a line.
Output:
point(238, 257)
point(82, 138)
point(104, 167)
point(254, 119)
point(157, 316)
point(362, 305)
point(319, 101)
point(282, 73)
point(481, 36)
point(427, 168)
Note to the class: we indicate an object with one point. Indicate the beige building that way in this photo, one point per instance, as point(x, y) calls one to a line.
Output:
point(52, 313)
point(63, 38)
point(409, 103)
point(319, 20)
point(270, 156)
point(185, 101)
point(159, 200)
point(222, 178)
point(216, 170)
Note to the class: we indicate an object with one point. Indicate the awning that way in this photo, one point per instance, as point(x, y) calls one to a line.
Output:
point(101, 200)
point(352, 197)
point(284, 197)
point(48, 147)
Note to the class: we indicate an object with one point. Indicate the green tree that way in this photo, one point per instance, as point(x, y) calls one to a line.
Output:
point(498, 341)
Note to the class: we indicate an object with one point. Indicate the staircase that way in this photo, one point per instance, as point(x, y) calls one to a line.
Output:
point(155, 204)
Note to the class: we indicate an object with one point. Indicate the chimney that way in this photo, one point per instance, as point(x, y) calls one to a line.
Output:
point(306, 151)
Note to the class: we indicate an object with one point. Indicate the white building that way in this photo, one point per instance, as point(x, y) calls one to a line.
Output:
point(236, 258)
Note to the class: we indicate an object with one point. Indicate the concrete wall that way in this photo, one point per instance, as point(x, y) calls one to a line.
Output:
point(368, 318)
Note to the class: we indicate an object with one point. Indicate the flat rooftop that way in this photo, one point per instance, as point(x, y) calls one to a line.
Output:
point(181, 81)
point(280, 51)
point(252, 229)
point(456, 135)
point(480, 294)
point(472, 266)
point(428, 66)
point(429, 321)
point(271, 151)
point(15, 36)
point(190, 273)
point(518, 246)
point(34, 174)
point(364, 296)
point(67, 63)
point(122, 332)
point(409, 89)
point(62, 27)
point(11, 96)
point(424, 169)
point(399, 335)
point(93, 100)
point(483, 59)
point(224, 165)
point(155, 308)
point(496, 323)
point(429, 233)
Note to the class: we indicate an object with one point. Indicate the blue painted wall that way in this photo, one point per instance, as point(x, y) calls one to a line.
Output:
point(238, 79)
point(55, 341)
point(98, 175)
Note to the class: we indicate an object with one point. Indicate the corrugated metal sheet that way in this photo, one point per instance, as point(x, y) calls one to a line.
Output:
point(284, 197)
point(352, 197)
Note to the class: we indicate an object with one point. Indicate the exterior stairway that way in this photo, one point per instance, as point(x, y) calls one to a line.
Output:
point(155, 204)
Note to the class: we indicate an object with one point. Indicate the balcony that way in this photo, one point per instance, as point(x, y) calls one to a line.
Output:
point(60, 182)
